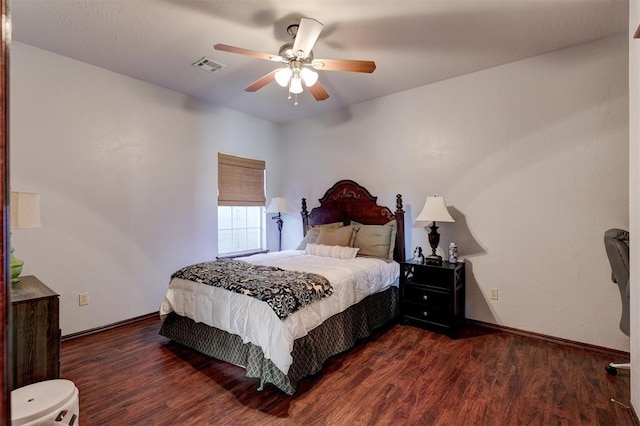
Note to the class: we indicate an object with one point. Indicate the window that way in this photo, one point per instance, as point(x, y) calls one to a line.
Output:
point(240, 228)
point(241, 199)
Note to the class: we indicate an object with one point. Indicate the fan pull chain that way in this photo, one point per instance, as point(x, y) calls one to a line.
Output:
point(295, 101)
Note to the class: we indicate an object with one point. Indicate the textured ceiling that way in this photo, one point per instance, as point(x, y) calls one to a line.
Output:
point(412, 42)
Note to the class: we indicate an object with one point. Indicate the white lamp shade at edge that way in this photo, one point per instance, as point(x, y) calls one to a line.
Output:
point(434, 210)
point(25, 210)
point(279, 205)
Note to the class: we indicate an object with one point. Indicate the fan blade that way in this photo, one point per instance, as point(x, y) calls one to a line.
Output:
point(241, 51)
point(318, 92)
point(308, 33)
point(344, 65)
point(261, 82)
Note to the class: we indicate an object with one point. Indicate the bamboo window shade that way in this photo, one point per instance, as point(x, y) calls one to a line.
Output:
point(240, 181)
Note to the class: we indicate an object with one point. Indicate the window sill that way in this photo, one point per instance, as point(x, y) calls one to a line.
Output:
point(240, 254)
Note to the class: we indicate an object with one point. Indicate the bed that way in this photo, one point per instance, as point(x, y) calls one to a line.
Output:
point(281, 348)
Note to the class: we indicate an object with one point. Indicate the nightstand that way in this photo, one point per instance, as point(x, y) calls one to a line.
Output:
point(36, 332)
point(433, 296)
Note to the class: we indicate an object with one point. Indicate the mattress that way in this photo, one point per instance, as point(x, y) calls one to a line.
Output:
point(256, 323)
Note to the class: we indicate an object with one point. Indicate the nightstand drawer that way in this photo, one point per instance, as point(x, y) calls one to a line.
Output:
point(435, 277)
point(427, 313)
point(416, 294)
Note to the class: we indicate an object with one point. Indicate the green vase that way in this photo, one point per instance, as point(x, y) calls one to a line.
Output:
point(16, 267)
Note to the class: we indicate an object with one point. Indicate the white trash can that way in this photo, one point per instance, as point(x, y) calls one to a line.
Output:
point(52, 402)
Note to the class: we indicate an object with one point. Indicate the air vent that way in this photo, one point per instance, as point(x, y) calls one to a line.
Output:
point(208, 65)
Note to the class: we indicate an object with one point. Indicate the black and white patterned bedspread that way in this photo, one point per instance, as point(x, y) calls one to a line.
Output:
point(284, 291)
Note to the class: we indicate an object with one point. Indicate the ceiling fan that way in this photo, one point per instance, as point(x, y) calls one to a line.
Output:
point(300, 64)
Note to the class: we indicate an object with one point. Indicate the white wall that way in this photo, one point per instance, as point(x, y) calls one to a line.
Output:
point(634, 195)
point(127, 174)
point(532, 160)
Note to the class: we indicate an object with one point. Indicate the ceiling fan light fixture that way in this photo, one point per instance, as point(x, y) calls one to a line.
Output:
point(309, 76)
point(282, 76)
point(296, 85)
point(299, 63)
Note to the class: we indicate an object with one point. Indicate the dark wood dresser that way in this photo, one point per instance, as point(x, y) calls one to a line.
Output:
point(36, 332)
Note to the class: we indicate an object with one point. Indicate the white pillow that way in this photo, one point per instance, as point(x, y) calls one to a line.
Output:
point(338, 252)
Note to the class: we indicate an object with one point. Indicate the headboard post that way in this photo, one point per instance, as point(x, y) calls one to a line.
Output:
point(305, 217)
point(399, 252)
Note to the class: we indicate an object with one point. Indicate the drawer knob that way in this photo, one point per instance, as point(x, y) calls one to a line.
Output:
point(425, 297)
point(425, 313)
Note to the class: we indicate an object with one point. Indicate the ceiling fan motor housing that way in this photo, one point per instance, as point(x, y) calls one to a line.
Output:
point(292, 30)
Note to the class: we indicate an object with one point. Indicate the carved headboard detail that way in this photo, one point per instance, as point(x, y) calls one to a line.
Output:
point(346, 201)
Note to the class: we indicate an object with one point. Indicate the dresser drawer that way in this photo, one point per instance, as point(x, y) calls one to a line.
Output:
point(426, 313)
point(416, 294)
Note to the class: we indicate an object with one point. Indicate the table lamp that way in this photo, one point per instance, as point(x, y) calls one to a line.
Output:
point(434, 210)
point(279, 205)
point(25, 213)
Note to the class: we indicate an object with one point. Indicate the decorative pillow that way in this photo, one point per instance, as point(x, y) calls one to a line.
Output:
point(376, 240)
point(338, 252)
point(314, 231)
point(326, 225)
point(336, 236)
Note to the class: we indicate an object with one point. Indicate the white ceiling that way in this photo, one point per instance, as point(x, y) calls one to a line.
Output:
point(413, 42)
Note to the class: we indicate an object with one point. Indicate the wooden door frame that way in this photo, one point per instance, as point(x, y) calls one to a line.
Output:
point(5, 294)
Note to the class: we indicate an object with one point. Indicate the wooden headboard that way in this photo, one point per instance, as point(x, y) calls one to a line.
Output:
point(346, 201)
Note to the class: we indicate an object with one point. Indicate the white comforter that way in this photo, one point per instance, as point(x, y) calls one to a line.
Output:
point(254, 321)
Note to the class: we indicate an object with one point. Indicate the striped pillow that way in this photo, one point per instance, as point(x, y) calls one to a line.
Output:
point(338, 252)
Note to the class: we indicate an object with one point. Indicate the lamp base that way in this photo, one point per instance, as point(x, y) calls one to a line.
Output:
point(433, 259)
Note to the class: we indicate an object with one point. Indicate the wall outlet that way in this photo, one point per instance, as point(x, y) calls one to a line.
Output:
point(493, 293)
point(83, 299)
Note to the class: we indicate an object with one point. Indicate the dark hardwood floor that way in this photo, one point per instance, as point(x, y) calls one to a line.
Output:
point(403, 376)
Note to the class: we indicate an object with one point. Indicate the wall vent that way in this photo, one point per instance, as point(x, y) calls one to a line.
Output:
point(208, 65)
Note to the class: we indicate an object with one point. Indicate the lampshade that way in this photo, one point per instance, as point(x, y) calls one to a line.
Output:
point(435, 210)
point(25, 213)
point(279, 205)
point(309, 76)
point(25, 210)
point(296, 85)
point(282, 76)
